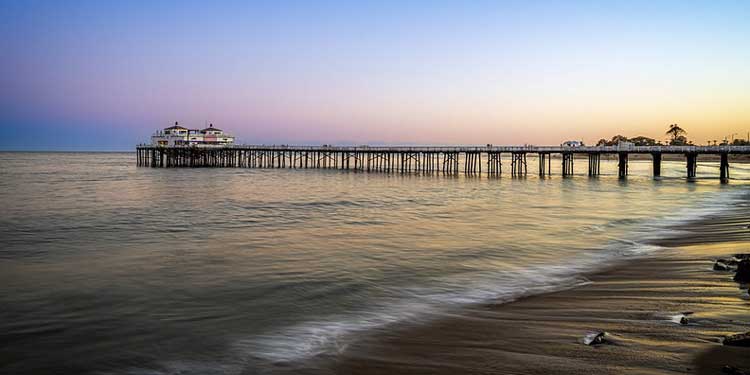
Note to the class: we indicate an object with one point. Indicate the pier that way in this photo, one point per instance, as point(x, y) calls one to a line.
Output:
point(448, 160)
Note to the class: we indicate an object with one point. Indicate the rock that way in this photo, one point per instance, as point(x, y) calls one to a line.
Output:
point(729, 261)
point(682, 318)
point(595, 338)
point(721, 266)
point(743, 271)
point(739, 339)
point(731, 370)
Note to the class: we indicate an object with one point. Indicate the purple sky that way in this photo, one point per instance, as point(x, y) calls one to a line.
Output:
point(103, 75)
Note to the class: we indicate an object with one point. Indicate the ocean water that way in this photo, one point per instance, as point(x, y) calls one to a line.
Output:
point(106, 268)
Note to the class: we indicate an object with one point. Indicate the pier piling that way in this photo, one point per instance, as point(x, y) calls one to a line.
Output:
point(567, 163)
point(724, 167)
point(594, 164)
point(656, 160)
point(692, 165)
point(622, 165)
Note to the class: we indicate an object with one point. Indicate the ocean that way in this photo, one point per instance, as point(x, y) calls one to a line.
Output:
point(107, 268)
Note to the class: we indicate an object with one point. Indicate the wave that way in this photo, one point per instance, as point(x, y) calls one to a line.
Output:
point(332, 335)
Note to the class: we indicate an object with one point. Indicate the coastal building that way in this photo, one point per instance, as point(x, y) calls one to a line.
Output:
point(177, 135)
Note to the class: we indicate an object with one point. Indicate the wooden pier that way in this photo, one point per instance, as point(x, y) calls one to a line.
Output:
point(447, 160)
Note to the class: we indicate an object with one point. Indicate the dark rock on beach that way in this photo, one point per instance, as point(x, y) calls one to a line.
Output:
point(739, 339)
point(595, 338)
point(682, 318)
point(731, 370)
point(721, 266)
point(743, 271)
point(729, 262)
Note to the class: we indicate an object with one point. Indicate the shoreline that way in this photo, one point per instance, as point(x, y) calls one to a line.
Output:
point(633, 302)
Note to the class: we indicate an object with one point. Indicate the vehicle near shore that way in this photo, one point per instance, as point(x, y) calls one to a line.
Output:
point(572, 144)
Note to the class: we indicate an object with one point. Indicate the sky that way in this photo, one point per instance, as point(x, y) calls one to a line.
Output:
point(104, 75)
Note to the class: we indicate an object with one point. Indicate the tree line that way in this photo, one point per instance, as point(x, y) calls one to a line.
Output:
point(677, 137)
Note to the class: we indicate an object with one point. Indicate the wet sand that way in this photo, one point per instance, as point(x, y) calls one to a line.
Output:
point(542, 334)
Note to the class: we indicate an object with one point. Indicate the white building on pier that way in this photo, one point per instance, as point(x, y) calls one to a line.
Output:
point(177, 135)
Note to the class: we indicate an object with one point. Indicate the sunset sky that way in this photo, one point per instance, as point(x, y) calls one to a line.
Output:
point(103, 75)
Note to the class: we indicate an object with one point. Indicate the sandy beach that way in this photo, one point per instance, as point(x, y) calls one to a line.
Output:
point(632, 302)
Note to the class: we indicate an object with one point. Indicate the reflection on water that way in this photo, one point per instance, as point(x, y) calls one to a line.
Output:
point(109, 268)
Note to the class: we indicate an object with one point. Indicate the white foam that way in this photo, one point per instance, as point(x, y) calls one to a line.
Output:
point(329, 336)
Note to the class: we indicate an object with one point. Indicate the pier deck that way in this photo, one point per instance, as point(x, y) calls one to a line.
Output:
point(444, 159)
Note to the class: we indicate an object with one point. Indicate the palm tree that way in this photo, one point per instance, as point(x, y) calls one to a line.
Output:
point(675, 131)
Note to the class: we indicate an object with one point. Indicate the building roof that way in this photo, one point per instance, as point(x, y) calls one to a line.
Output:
point(211, 127)
point(176, 126)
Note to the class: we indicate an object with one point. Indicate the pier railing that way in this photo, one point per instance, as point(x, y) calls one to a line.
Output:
point(527, 148)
